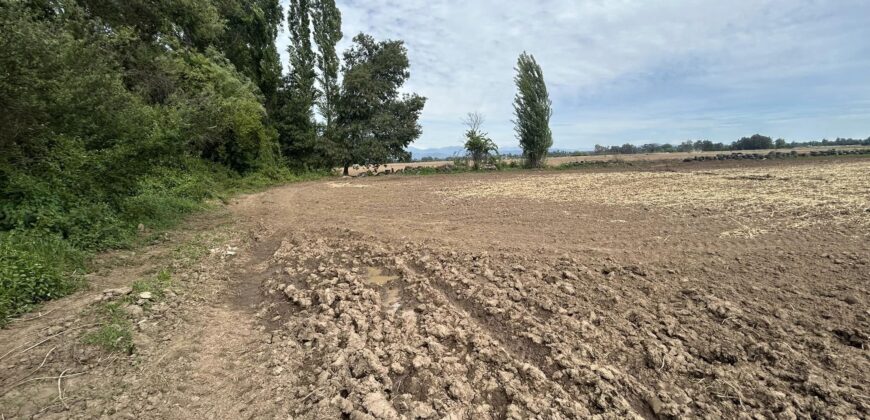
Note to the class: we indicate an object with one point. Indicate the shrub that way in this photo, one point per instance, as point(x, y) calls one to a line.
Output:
point(35, 268)
point(481, 149)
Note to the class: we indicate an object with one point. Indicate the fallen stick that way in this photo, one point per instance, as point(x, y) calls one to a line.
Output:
point(44, 359)
point(40, 379)
point(60, 389)
point(49, 338)
point(31, 318)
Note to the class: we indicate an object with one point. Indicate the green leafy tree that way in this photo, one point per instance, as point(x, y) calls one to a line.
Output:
point(480, 148)
point(686, 146)
point(191, 23)
point(532, 110)
point(756, 142)
point(249, 42)
point(375, 121)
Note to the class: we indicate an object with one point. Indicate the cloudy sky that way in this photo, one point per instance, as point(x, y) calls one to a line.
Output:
point(634, 70)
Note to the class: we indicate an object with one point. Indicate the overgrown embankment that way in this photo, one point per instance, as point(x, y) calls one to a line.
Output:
point(113, 127)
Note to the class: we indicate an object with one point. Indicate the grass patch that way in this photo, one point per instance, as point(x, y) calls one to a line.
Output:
point(116, 334)
point(154, 285)
point(50, 238)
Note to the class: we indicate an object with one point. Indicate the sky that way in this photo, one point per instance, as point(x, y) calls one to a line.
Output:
point(633, 71)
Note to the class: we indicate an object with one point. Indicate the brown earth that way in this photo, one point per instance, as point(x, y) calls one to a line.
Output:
point(705, 289)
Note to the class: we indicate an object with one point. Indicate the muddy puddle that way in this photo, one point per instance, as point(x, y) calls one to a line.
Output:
point(389, 287)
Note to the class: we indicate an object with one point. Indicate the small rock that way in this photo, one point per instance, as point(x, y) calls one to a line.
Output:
point(440, 331)
point(421, 361)
point(345, 406)
point(422, 411)
point(146, 295)
point(134, 311)
point(376, 404)
point(461, 391)
point(397, 368)
point(121, 291)
point(569, 275)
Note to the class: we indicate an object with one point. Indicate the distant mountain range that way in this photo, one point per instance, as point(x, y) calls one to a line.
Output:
point(441, 153)
point(446, 153)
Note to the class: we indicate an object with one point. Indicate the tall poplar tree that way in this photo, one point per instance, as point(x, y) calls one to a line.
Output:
point(327, 33)
point(532, 110)
point(296, 125)
point(249, 42)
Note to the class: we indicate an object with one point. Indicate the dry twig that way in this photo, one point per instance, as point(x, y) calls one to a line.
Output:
point(60, 389)
point(39, 379)
point(31, 318)
point(47, 339)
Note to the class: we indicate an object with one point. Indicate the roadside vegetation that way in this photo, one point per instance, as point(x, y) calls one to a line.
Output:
point(121, 118)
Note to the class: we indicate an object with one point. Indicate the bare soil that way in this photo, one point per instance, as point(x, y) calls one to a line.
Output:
point(705, 289)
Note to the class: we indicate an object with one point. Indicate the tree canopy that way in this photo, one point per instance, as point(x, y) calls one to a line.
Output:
point(376, 123)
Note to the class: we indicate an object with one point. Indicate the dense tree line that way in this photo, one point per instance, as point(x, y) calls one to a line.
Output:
point(116, 114)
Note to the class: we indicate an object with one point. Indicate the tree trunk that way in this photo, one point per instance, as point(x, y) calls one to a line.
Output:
point(346, 171)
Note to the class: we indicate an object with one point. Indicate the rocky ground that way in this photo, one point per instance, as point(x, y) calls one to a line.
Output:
point(433, 297)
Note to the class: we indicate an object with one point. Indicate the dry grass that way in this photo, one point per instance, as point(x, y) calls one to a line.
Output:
point(758, 200)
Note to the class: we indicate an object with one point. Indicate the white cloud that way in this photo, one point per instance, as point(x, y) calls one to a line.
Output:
point(623, 70)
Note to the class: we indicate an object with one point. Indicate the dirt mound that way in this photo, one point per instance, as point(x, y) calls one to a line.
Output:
point(460, 335)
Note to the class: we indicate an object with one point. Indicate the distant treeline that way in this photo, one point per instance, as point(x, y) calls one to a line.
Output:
point(756, 142)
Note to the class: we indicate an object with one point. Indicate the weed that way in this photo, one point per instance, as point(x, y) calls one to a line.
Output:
point(116, 334)
point(154, 285)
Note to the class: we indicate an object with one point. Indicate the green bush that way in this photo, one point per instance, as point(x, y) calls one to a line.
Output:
point(35, 268)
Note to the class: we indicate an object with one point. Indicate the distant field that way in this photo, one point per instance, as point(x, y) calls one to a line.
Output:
point(648, 157)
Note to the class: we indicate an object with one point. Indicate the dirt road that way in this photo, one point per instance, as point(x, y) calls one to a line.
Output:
point(717, 289)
